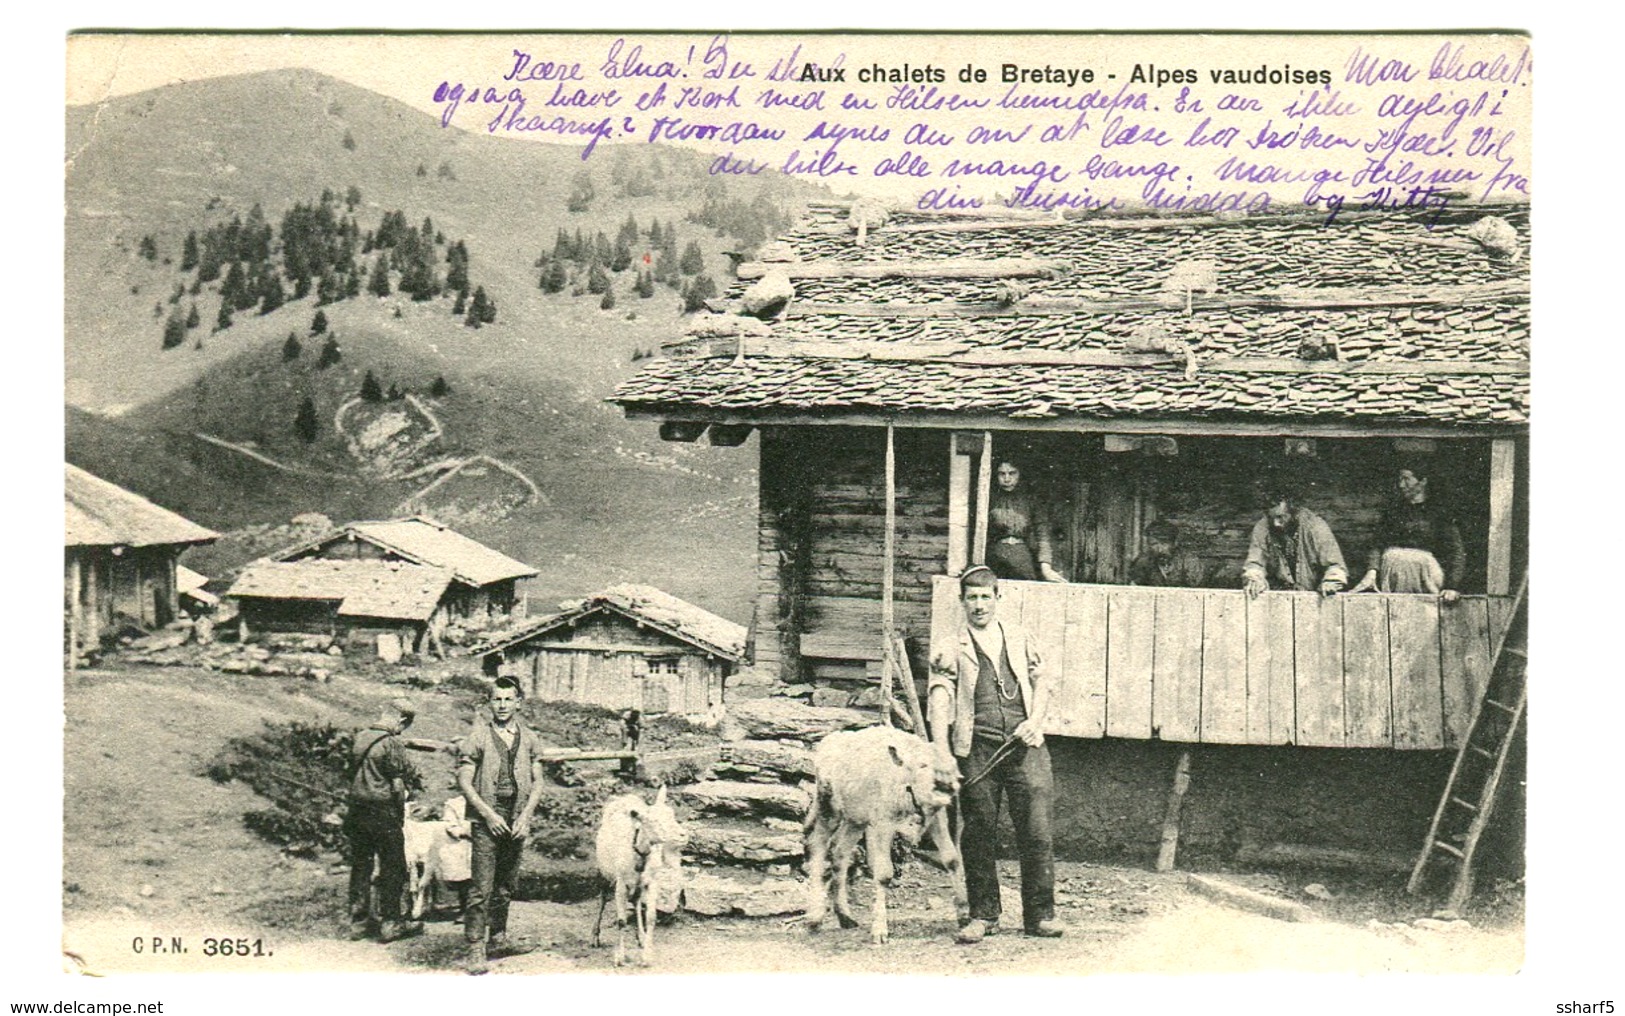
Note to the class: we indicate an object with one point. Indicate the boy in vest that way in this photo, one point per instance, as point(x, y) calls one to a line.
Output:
point(377, 807)
point(499, 771)
point(988, 688)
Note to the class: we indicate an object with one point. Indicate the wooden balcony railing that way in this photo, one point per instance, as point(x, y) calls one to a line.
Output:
point(1366, 670)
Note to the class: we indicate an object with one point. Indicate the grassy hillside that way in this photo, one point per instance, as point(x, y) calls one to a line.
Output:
point(527, 389)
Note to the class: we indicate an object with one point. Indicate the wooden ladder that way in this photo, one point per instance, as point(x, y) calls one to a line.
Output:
point(1469, 795)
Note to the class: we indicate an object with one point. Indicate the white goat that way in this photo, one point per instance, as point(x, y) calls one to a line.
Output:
point(436, 851)
point(640, 855)
point(875, 784)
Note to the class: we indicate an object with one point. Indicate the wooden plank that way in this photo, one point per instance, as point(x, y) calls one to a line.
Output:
point(958, 419)
point(1224, 667)
point(1500, 615)
point(1045, 621)
point(947, 616)
point(888, 580)
point(1130, 647)
point(984, 494)
point(1464, 656)
point(1413, 662)
point(1271, 669)
point(989, 355)
point(1317, 633)
point(1367, 684)
point(1285, 298)
point(958, 510)
point(933, 268)
point(1176, 691)
point(1503, 458)
point(1078, 701)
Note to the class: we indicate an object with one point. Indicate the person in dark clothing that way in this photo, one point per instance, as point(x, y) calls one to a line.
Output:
point(1164, 562)
point(377, 808)
point(499, 771)
point(1418, 548)
point(988, 688)
point(1018, 537)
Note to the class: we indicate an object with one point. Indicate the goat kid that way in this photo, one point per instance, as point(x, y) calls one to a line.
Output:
point(640, 856)
point(874, 785)
point(436, 851)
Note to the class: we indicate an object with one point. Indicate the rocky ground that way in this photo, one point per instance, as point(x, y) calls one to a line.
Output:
point(152, 847)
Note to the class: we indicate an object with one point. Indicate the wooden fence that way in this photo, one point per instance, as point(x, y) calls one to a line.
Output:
point(1367, 670)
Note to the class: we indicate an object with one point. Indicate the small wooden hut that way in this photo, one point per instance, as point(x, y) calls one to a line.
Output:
point(630, 646)
point(484, 581)
point(394, 606)
point(120, 553)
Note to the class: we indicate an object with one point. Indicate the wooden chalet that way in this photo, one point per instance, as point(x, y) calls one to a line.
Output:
point(1137, 368)
point(394, 606)
point(484, 581)
point(119, 558)
point(629, 646)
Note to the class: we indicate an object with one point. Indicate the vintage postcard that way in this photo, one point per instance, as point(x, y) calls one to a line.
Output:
point(972, 504)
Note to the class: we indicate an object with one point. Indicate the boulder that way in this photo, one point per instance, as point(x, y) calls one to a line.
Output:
point(740, 842)
point(768, 296)
point(777, 252)
point(788, 719)
point(831, 697)
point(711, 894)
point(778, 760)
point(731, 797)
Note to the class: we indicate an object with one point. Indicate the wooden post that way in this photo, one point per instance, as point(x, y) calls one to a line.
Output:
point(1170, 822)
point(1503, 461)
point(887, 575)
point(911, 694)
point(75, 613)
point(984, 493)
point(93, 635)
point(958, 507)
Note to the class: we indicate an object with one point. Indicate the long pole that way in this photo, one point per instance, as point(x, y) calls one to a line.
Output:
point(888, 672)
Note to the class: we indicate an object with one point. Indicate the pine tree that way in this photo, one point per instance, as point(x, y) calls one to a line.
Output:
point(597, 280)
point(482, 310)
point(693, 262)
point(459, 305)
point(189, 252)
point(192, 319)
point(557, 277)
point(148, 248)
point(646, 285)
point(395, 393)
point(274, 296)
point(370, 390)
point(608, 302)
point(378, 283)
point(330, 354)
point(440, 389)
point(318, 324)
point(304, 422)
point(352, 197)
point(699, 291)
point(174, 329)
point(349, 141)
point(291, 348)
point(222, 320)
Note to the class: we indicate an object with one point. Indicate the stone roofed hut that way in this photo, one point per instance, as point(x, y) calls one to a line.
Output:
point(394, 605)
point(629, 646)
point(119, 555)
point(484, 581)
point(896, 377)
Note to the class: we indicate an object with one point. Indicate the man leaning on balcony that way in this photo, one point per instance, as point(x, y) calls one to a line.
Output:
point(1292, 548)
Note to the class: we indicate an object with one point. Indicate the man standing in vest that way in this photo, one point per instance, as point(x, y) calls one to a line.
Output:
point(377, 807)
point(499, 771)
point(988, 693)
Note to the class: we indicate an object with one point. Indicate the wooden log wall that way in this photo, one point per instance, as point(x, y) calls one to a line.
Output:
point(621, 680)
point(1352, 671)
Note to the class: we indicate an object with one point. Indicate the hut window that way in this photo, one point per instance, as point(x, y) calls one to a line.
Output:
point(663, 665)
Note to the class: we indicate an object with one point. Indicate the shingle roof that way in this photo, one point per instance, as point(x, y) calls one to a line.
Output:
point(102, 514)
point(362, 588)
point(1452, 320)
point(659, 609)
point(430, 543)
